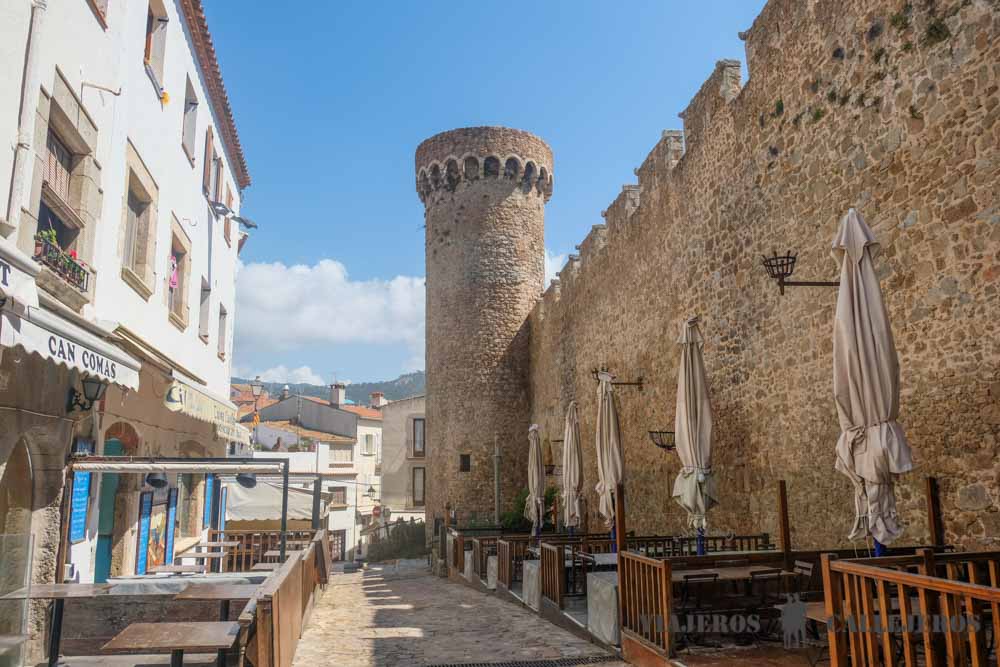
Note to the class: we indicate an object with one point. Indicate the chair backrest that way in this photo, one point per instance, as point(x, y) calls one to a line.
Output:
point(701, 577)
point(740, 562)
point(804, 568)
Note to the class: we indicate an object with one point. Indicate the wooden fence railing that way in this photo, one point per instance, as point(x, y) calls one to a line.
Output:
point(553, 573)
point(252, 544)
point(880, 611)
point(511, 552)
point(645, 604)
point(482, 549)
point(272, 622)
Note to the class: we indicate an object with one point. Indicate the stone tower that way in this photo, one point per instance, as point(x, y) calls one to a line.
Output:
point(484, 191)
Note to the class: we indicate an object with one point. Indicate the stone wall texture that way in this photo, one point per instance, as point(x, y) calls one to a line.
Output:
point(885, 106)
point(484, 190)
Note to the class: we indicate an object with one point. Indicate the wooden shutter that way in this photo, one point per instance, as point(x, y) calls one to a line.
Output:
point(206, 176)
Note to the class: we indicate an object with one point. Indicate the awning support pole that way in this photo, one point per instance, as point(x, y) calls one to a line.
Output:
point(284, 509)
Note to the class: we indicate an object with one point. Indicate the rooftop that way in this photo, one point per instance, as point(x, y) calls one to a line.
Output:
point(318, 436)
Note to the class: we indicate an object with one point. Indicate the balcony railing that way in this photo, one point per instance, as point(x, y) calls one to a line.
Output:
point(67, 268)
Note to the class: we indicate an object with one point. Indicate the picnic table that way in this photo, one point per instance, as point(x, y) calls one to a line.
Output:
point(175, 638)
point(223, 593)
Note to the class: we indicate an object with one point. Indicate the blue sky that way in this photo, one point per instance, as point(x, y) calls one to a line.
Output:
point(332, 98)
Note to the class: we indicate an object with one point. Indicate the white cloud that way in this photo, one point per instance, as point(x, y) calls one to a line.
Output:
point(282, 308)
point(291, 375)
point(553, 265)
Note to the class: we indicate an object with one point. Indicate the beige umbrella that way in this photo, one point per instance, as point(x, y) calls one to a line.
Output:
point(872, 449)
point(572, 463)
point(610, 461)
point(535, 504)
point(694, 487)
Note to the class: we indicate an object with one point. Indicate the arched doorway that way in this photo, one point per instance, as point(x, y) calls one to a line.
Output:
point(119, 440)
point(16, 503)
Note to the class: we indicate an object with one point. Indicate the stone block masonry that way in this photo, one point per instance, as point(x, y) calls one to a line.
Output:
point(887, 106)
point(484, 190)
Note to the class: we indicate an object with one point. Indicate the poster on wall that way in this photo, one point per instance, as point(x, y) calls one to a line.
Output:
point(207, 517)
point(145, 510)
point(171, 526)
point(79, 503)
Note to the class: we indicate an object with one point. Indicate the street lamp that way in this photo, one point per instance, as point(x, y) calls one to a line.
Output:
point(93, 391)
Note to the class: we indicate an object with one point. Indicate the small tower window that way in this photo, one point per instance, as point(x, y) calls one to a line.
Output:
point(464, 463)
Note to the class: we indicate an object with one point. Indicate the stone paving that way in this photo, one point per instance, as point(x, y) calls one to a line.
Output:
point(401, 616)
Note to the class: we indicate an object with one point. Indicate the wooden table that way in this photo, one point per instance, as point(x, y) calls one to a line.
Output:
point(178, 569)
point(200, 554)
point(175, 638)
point(738, 573)
point(266, 566)
point(224, 545)
point(223, 593)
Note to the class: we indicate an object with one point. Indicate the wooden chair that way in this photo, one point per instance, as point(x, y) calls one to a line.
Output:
point(805, 572)
point(693, 589)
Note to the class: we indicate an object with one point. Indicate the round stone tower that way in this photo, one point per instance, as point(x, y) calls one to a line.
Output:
point(484, 191)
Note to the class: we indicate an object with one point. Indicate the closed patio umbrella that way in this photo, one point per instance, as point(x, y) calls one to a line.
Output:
point(694, 487)
point(535, 504)
point(572, 462)
point(872, 449)
point(610, 461)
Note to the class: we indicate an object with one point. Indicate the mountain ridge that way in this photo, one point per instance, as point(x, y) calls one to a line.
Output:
point(404, 386)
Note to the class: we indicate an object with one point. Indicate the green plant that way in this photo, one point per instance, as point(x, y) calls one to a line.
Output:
point(907, 47)
point(48, 236)
point(901, 19)
point(817, 114)
point(779, 107)
point(400, 539)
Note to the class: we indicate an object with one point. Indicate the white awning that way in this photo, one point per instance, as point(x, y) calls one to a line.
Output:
point(17, 275)
point(263, 503)
point(189, 398)
point(50, 336)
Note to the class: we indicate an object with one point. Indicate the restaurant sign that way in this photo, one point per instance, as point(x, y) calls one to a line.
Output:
point(191, 401)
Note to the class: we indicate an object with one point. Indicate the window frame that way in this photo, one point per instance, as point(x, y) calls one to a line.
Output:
point(223, 339)
point(189, 121)
point(423, 486)
point(423, 438)
point(465, 463)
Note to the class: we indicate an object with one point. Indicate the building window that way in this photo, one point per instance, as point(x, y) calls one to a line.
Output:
point(190, 121)
point(338, 495)
point(418, 487)
point(418, 438)
point(156, 42)
point(58, 166)
point(227, 228)
point(203, 310)
point(464, 463)
point(208, 172)
point(341, 453)
point(178, 273)
point(368, 445)
point(223, 325)
point(58, 222)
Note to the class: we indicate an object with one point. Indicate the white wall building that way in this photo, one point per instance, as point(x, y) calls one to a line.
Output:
point(122, 163)
point(404, 458)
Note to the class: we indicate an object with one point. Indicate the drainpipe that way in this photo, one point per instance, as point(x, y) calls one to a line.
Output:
point(496, 481)
point(21, 176)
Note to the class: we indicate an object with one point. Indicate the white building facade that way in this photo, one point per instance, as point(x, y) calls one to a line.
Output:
point(118, 255)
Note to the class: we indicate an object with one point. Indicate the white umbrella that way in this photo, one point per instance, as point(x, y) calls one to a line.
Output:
point(610, 461)
point(694, 487)
point(572, 463)
point(534, 505)
point(872, 449)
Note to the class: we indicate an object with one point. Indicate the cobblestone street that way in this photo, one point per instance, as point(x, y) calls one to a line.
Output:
point(404, 617)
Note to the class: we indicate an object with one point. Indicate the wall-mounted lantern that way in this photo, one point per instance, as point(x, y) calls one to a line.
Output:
point(663, 440)
point(93, 391)
point(780, 268)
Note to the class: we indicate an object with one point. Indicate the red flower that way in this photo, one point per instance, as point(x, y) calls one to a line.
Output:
point(72, 253)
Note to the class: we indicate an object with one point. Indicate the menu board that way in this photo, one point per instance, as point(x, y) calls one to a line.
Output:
point(209, 483)
point(171, 525)
point(223, 496)
point(145, 510)
point(79, 504)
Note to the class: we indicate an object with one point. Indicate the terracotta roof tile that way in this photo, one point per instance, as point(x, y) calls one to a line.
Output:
point(204, 50)
point(360, 410)
point(319, 436)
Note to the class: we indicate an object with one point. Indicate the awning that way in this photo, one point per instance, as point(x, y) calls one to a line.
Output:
point(17, 275)
point(187, 397)
point(263, 503)
point(194, 466)
point(50, 336)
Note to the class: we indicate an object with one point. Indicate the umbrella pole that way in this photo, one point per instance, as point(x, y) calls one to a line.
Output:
point(880, 549)
point(619, 524)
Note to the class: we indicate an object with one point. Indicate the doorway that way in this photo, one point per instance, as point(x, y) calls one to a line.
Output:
point(106, 514)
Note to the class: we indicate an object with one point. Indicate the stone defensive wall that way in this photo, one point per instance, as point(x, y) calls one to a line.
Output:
point(886, 106)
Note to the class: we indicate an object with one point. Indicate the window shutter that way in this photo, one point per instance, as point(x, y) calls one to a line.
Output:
point(206, 177)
